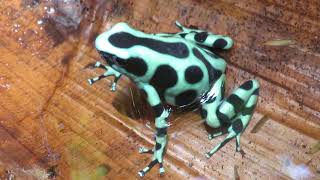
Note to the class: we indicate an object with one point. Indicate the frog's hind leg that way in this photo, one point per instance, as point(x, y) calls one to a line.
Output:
point(205, 38)
point(237, 110)
point(201, 37)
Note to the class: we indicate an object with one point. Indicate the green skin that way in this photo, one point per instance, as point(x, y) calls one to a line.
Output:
point(235, 110)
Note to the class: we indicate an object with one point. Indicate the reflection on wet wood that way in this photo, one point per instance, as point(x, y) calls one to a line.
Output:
point(54, 125)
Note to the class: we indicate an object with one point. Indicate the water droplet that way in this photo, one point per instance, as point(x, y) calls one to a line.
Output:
point(51, 10)
point(39, 22)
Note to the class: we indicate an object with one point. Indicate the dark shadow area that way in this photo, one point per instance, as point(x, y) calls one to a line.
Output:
point(132, 102)
point(223, 129)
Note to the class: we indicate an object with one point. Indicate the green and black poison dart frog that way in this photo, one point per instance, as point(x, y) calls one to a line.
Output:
point(177, 70)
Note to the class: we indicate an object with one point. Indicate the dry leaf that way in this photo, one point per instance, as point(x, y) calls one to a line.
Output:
point(259, 124)
point(283, 42)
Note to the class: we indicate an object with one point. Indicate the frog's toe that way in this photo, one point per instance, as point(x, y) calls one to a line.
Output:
point(238, 149)
point(97, 64)
point(242, 153)
point(208, 155)
point(90, 81)
point(210, 137)
point(161, 169)
point(141, 173)
point(113, 87)
point(141, 150)
point(145, 150)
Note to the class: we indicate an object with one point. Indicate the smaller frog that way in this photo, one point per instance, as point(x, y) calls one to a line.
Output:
point(177, 70)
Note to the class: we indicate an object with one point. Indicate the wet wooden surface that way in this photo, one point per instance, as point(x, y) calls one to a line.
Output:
point(54, 125)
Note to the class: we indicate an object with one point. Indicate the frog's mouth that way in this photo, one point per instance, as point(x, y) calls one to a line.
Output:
point(109, 58)
point(112, 59)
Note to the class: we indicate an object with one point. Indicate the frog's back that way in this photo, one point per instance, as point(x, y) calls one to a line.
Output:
point(183, 72)
point(180, 71)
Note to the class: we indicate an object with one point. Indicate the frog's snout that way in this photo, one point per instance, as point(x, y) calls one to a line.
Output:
point(100, 42)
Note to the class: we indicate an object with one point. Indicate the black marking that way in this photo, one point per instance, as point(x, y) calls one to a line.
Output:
point(203, 113)
point(248, 110)
point(211, 100)
point(213, 55)
point(161, 132)
point(247, 85)
point(160, 165)
point(237, 126)
point(193, 74)
point(152, 163)
point(135, 66)
point(158, 109)
point(193, 27)
point(99, 78)
point(220, 43)
point(222, 90)
point(164, 77)
point(102, 76)
point(126, 40)
point(213, 73)
point(256, 92)
point(201, 37)
point(144, 92)
point(183, 35)
point(158, 146)
point(216, 74)
point(236, 102)
point(222, 117)
point(186, 97)
point(224, 142)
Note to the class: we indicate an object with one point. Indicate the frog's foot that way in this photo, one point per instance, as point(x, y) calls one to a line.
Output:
point(234, 131)
point(143, 150)
point(158, 153)
point(230, 136)
point(143, 172)
point(238, 148)
point(109, 72)
point(243, 154)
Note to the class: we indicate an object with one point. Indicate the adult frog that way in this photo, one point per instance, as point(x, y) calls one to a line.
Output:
point(178, 70)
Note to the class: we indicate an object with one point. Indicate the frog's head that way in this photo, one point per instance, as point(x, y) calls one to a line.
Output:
point(115, 45)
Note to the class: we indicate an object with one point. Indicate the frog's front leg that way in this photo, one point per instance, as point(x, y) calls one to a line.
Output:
point(109, 72)
point(161, 125)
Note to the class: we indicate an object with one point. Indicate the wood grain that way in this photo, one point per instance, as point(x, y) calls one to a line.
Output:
point(54, 125)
